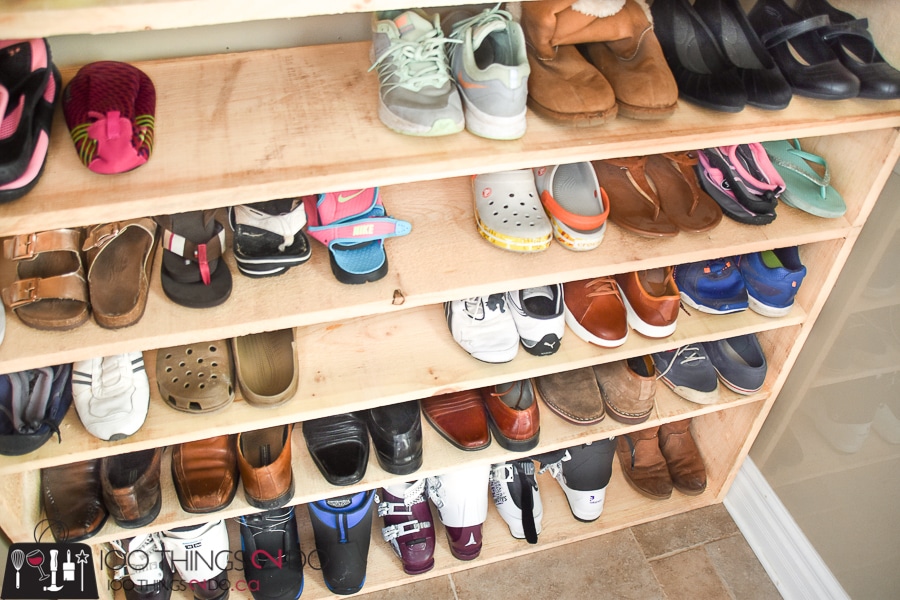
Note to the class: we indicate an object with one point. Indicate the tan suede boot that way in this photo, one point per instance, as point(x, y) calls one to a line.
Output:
point(631, 59)
point(563, 85)
point(683, 457)
point(642, 463)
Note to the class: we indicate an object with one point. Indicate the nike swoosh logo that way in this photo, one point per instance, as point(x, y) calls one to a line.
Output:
point(342, 198)
point(468, 84)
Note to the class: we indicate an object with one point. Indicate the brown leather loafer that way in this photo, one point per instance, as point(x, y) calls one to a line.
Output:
point(72, 500)
point(595, 311)
point(629, 388)
point(573, 395)
point(205, 473)
point(264, 459)
point(131, 486)
point(513, 415)
point(652, 301)
point(460, 419)
point(643, 464)
point(682, 457)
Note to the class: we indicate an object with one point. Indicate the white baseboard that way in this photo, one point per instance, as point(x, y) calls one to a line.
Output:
point(785, 553)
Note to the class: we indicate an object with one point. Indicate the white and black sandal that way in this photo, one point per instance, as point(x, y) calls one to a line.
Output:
point(268, 236)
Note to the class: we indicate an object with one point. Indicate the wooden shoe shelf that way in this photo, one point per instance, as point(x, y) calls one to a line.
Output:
point(239, 128)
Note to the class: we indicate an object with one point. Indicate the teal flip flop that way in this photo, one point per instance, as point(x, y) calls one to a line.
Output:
point(807, 190)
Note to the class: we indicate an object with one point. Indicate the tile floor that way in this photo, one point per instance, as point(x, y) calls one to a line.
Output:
point(700, 554)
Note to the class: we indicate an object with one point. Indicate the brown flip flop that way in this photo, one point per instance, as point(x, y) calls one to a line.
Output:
point(633, 203)
point(196, 378)
point(119, 257)
point(51, 291)
point(267, 367)
point(684, 202)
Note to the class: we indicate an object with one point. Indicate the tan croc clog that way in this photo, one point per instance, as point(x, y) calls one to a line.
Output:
point(267, 367)
point(196, 378)
point(119, 257)
point(51, 291)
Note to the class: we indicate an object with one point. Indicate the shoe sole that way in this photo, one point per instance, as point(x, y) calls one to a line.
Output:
point(524, 245)
point(767, 310)
point(275, 502)
point(736, 388)
point(589, 337)
point(625, 418)
point(692, 395)
point(551, 340)
point(493, 127)
point(145, 520)
point(644, 328)
point(510, 444)
point(438, 128)
point(708, 309)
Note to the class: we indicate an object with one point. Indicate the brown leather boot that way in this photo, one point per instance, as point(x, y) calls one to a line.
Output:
point(643, 463)
point(631, 59)
point(685, 463)
point(563, 85)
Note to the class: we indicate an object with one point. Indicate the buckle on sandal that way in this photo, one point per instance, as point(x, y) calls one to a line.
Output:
point(20, 247)
point(101, 236)
point(21, 292)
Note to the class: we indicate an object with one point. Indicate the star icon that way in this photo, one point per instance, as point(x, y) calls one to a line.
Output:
point(81, 557)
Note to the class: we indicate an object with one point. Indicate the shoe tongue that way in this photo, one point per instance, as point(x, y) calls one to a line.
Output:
point(537, 292)
point(412, 26)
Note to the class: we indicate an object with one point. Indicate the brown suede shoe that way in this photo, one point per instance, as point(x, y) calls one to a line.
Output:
point(72, 499)
point(460, 418)
point(513, 414)
point(595, 311)
point(205, 473)
point(573, 395)
point(563, 85)
point(652, 301)
point(131, 489)
point(683, 457)
point(631, 59)
point(629, 388)
point(643, 464)
point(264, 459)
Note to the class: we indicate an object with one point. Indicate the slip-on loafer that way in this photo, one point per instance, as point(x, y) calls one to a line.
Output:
point(339, 445)
point(513, 414)
point(131, 488)
point(264, 460)
point(205, 473)
point(396, 432)
point(72, 499)
point(460, 418)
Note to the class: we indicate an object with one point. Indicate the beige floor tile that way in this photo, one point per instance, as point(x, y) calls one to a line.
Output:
point(436, 588)
point(688, 575)
point(686, 530)
point(739, 568)
point(606, 567)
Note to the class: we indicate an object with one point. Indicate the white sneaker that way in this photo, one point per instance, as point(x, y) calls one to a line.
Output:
point(145, 564)
point(484, 327)
point(461, 500)
point(516, 496)
point(111, 395)
point(200, 554)
point(539, 315)
point(583, 473)
point(508, 211)
point(575, 202)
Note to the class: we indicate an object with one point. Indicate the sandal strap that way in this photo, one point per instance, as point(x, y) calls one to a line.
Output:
point(202, 254)
point(70, 286)
point(856, 27)
point(685, 162)
point(636, 170)
point(99, 236)
point(782, 34)
point(287, 225)
point(27, 246)
point(576, 221)
point(823, 182)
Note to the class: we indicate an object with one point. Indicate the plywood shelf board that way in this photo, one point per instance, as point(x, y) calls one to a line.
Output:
point(246, 127)
point(443, 259)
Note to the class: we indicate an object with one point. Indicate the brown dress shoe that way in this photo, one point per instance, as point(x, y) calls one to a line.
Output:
point(573, 395)
point(643, 464)
point(632, 60)
point(73, 501)
point(683, 457)
point(652, 301)
point(264, 459)
point(629, 388)
point(595, 311)
point(460, 419)
point(131, 486)
point(513, 414)
point(205, 473)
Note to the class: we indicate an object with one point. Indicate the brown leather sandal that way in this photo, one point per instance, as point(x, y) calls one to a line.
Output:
point(51, 291)
point(633, 203)
point(683, 200)
point(119, 257)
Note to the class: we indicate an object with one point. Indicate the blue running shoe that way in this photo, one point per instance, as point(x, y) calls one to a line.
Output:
point(343, 527)
point(714, 286)
point(739, 362)
point(772, 279)
point(689, 373)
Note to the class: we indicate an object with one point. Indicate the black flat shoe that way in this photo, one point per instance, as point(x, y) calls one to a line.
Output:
point(339, 445)
point(849, 38)
point(817, 73)
point(704, 76)
point(396, 432)
point(763, 82)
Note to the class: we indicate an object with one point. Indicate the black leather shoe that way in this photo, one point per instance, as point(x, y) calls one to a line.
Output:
point(704, 75)
point(763, 82)
point(817, 73)
point(268, 537)
point(396, 432)
point(339, 445)
point(849, 38)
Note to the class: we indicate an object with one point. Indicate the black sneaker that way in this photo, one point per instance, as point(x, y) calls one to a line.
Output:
point(343, 528)
point(273, 563)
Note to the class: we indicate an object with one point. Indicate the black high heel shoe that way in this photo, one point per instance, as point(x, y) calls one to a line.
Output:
point(817, 72)
point(763, 82)
point(704, 76)
point(849, 38)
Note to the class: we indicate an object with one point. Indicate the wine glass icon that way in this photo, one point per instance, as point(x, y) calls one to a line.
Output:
point(35, 558)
